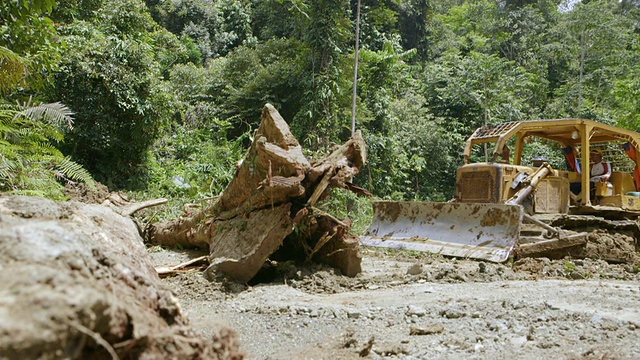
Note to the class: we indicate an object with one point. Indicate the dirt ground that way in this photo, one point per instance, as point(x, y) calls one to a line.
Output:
point(416, 306)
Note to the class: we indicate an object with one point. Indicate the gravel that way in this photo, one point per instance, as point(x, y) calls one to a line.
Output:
point(417, 306)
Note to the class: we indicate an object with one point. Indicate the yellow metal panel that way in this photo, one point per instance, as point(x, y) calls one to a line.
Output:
point(622, 201)
point(552, 196)
point(622, 182)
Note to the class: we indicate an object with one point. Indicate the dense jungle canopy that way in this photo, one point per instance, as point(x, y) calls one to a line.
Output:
point(161, 97)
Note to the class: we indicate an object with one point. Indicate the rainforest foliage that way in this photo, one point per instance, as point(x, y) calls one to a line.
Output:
point(166, 94)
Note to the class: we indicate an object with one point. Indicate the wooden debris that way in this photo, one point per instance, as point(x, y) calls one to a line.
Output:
point(272, 193)
point(540, 248)
point(199, 263)
point(123, 206)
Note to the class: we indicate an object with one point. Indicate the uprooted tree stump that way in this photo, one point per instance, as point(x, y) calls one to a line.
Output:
point(273, 192)
point(77, 283)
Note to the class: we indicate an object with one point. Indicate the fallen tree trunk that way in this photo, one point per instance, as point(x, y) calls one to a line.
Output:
point(274, 191)
point(77, 283)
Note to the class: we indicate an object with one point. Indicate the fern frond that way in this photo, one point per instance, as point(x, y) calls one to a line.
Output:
point(25, 136)
point(74, 171)
point(6, 119)
point(39, 152)
point(27, 132)
point(6, 112)
point(7, 152)
point(54, 113)
point(36, 180)
point(37, 193)
point(6, 128)
point(29, 161)
point(4, 176)
point(26, 140)
point(12, 171)
point(52, 134)
point(8, 169)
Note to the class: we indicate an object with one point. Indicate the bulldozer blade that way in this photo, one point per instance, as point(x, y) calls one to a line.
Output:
point(469, 230)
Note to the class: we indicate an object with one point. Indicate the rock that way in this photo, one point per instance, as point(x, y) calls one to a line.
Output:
point(413, 310)
point(453, 314)
point(575, 275)
point(415, 269)
point(595, 319)
point(498, 325)
point(518, 341)
point(353, 314)
point(426, 330)
point(303, 310)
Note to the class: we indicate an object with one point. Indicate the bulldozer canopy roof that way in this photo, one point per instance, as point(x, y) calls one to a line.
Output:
point(568, 132)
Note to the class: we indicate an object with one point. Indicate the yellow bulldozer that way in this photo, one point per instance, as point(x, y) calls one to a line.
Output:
point(508, 204)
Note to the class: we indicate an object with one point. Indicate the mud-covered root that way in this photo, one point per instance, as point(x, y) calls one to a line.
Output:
point(269, 206)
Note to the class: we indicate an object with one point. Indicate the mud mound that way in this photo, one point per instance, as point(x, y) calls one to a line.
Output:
point(612, 247)
point(78, 284)
point(195, 286)
point(576, 269)
point(612, 240)
point(82, 193)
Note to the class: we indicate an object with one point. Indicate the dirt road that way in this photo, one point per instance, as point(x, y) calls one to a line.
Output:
point(415, 306)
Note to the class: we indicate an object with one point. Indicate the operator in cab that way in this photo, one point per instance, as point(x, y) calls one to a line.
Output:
point(600, 170)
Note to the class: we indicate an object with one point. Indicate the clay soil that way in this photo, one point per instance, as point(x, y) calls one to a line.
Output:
point(418, 306)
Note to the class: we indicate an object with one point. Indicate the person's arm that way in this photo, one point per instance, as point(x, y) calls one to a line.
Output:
point(607, 175)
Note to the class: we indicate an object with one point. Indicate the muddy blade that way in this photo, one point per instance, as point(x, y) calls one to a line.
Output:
point(479, 231)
